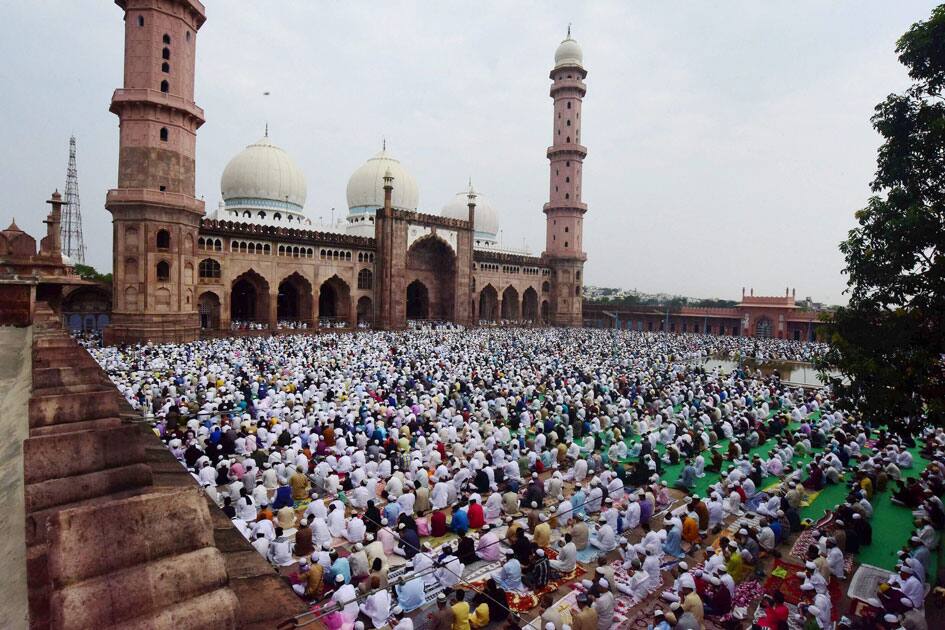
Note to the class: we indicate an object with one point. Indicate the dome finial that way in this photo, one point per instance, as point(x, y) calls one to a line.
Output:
point(569, 30)
point(383, 143)
point(266, 132)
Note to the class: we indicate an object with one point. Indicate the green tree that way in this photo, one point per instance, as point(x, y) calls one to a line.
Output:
point(890, 339)
point(89, 273)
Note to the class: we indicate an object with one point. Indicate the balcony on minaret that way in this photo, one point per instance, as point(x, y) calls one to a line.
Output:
point(572, 148)
point(576, 85)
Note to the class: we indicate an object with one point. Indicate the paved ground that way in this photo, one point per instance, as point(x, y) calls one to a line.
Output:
point(15, 381)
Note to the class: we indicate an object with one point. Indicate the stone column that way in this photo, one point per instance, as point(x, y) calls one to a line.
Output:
point(273, 315)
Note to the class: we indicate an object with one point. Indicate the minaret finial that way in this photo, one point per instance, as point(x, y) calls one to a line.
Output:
point(383, 143)
point(569, 30)
point(267, 129)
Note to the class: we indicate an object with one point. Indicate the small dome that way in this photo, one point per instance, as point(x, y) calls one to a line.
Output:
point(263, 171)
point(487, 219)
point(366, 185)
point(569, 54)
point(67, 261)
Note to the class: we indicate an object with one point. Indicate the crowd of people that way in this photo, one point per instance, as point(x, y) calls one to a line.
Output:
point(459, 472)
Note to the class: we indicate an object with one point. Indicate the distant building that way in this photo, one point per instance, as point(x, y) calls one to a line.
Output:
point(754, 316)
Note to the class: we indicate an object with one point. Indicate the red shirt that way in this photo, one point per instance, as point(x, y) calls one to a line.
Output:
point(476, 516)
point(774, 616)
point(438, 524)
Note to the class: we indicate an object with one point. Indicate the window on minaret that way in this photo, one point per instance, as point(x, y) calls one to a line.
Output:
point(140, 20)
point(163, 270)
point(167, 38)
point(568, 140)
point(166, 68)
point(569, 123)
point(565, 243)
point(567, 180)
point(166, 53)
point(565, 229)
point(165, 86)
point(163, 134)
point(569, 104)
point(567, 195)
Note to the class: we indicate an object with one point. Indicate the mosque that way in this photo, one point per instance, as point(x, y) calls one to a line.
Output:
point(257, 259)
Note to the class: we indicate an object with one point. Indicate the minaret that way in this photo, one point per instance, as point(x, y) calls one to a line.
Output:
point(155, 215)
point(564, 211)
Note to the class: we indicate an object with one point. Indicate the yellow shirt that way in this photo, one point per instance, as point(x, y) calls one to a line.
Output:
point(461, 616)
point(480, 616)
point(542, 535)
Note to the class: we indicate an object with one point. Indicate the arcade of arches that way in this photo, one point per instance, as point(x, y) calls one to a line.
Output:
point(510, 307)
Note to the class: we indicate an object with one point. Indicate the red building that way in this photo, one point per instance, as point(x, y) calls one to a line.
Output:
point(778, 316)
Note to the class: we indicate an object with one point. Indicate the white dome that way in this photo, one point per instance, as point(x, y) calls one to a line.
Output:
point(366, 186)
point(569, 54)
point(263, 171)
point(487, 219)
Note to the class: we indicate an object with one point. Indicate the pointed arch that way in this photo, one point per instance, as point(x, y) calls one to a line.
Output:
point(418, 301)
point(208, 305)
point(294, 301)
point(488, 304)
point(432, 262)
point(365, 311)
point(249, 298)
point(334, 299)
point(510, 305)
point(530, 305)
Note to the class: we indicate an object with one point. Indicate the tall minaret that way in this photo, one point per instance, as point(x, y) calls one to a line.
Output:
point(564, 211)
point(155, 214)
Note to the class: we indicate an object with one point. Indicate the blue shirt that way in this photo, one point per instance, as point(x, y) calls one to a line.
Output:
point(577, 502)
point(341, 567)
point(460, 522)
point(391, 512)
point(410, 595)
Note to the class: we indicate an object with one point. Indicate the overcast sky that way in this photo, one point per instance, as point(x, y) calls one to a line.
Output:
point(728, 142)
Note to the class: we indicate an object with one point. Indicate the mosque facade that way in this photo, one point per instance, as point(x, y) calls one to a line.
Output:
point(257, 260)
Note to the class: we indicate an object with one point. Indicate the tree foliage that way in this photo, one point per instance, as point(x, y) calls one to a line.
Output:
point(890, 339)
point(87, 272)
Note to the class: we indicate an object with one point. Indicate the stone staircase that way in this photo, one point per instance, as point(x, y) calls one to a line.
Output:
point(118, 534)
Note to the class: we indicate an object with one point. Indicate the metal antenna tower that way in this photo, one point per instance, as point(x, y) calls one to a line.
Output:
point(71, 229)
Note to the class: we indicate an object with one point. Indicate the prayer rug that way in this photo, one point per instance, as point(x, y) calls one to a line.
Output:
point(783, 577)
point(439, 541)
point(865, 582)
point(624, 605)
point(794, 623)
point(522, 602)
point(809, 497)
point(589, 554)
point(806, 538)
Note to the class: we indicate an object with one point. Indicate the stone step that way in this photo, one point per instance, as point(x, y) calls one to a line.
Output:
point(66, 408)
point(77, 427)
point(37, 522)
point(88, 451)
point(139, 590)
point(65, 490)
point(172, 522)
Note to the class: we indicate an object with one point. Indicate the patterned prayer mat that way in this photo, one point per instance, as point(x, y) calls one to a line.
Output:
point(522, 602)
point(783, 577)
